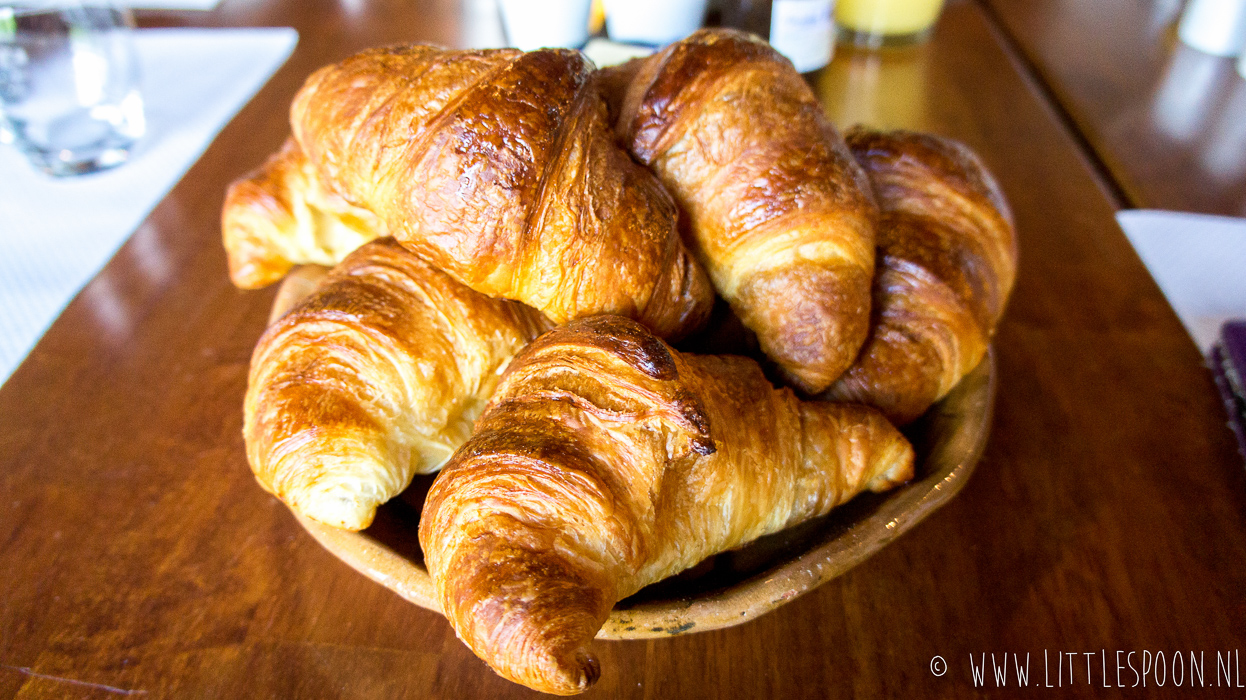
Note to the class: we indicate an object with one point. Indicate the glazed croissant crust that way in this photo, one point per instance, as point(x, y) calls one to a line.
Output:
point(281, 215)
point(947, 261)
point(781, 215)
point(607, 461)
point(373, 378)
point(500, 168)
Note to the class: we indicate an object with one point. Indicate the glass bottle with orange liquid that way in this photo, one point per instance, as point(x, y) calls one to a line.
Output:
point(885, 22)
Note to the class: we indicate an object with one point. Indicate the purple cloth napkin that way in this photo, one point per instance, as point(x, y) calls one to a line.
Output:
point(1228, 363)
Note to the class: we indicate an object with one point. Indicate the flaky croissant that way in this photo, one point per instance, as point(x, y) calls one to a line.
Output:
point(607, 461)
point(500, 168)
point(947, 261)
point(281, 215)
point(781, 216)
point(375, 377)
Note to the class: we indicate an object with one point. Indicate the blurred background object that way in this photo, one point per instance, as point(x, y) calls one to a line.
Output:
point(1217, 27)
point(1187, 93)
point(482, 26)
point(535, 24)
point(1224, 156)
point(653, 22)
point(605, 53)
point(875, 23)
point(69, 84)
point(852, 88)
point(596, 17)
point(801, 30)
point(1161, 120)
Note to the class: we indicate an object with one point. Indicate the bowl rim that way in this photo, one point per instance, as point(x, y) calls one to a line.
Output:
point(957, 428)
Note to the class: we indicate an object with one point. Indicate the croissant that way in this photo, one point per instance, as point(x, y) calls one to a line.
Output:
point(499, 167)
point(947, 261)
point(297, 286)
point(375, 377)
point(781, 215)
point(607, 461)
point(281, 215)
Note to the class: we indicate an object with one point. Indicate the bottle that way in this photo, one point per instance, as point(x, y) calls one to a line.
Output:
point(801, 30)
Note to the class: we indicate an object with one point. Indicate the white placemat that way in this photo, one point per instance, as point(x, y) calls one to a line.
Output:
point(1198, 260)
point(55, 235)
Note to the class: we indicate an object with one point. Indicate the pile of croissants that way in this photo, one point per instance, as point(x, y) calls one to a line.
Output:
point(516, 237)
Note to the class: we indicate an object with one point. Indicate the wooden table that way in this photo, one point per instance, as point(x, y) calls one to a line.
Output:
point(1166, 122)
point(1108, 513)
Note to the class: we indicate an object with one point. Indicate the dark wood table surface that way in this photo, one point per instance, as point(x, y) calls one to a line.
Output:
point(1167, 122)
point(137, 554)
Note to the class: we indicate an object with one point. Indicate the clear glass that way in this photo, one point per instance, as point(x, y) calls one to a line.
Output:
point(875, 23)
point(69, 84)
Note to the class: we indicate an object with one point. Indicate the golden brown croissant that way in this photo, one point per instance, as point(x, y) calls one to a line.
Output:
point(781, 215)
point(947, 260)
point(500, 168)
point(375, 377)
point(281, 215)
point(607, 461)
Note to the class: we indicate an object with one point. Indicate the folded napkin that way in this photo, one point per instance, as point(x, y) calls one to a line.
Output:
point(1199, 261)
point(55, 235)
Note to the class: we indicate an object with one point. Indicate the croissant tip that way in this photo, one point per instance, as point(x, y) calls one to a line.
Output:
point(341, 508)
point(898, 467)
point(577, 675)
point(590, 668)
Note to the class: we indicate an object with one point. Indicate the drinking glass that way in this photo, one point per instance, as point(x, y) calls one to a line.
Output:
point(69, 84)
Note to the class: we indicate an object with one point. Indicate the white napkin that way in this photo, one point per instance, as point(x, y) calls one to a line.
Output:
point(56, 234)
point(1198, 260)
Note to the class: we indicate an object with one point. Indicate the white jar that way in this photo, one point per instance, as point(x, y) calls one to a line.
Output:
point(536, 24)
point(654, 22)
point(1217, 27)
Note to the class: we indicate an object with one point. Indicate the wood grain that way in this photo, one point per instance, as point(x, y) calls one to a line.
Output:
point(1167, 122)
point(1109, 511)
